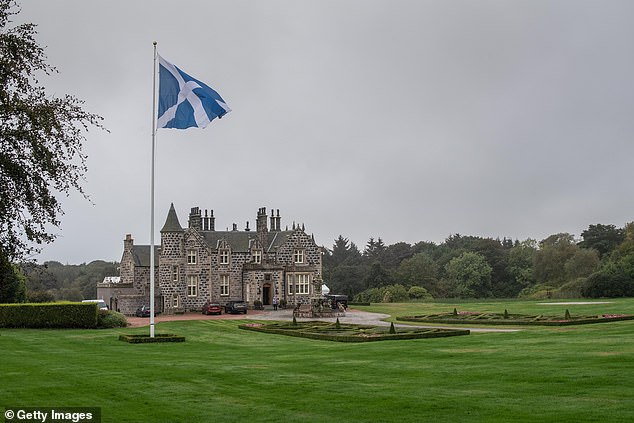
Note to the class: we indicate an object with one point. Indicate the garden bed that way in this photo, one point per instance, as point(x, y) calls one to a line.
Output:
point(347, 332)
point(146, 339)
point(479, 318)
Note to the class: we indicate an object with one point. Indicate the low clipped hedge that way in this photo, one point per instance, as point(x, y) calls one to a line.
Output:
point(145, 339)
point(513, 319)
point(348, 332)
point(49, 315)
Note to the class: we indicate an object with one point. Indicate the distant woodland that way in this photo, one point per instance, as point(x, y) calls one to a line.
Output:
point(56, 281)
point(600, 264)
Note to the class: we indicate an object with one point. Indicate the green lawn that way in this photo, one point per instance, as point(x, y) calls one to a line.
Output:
point(222, 373)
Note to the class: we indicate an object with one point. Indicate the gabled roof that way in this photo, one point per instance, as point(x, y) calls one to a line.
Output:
point(141, 255)
point(171, 223)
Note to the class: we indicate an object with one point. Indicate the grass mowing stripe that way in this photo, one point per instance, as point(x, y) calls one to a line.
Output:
point(221, 372)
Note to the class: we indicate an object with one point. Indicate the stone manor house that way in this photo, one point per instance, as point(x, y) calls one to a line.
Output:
point(198, 264)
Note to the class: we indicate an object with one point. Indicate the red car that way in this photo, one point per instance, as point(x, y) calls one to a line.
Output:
point(212, 308)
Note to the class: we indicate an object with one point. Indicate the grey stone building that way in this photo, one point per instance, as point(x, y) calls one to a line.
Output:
point(198, 264)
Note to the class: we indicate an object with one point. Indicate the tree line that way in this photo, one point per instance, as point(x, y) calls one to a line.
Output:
point(52, 281)
point(601, 264)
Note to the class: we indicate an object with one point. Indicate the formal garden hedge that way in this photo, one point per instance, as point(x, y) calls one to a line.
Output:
point(506, 318)
point(348, 332)
point(146, 339)
point(49, 315)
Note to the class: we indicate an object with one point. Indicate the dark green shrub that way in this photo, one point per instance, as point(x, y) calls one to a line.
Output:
point(506, 314)
point(392, 328)
point(567, 315)
point(39, 297)
point(111, 319)
point(337, 324)
point(49, 315)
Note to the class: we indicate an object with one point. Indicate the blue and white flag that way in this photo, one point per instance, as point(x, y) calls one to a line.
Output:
point(185, 102)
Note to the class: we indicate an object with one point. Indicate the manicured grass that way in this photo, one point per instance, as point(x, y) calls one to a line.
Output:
point(222, 373)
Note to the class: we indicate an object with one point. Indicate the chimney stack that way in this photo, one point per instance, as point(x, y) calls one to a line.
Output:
point(261, 221)
point(209, 221)
point(195, 219)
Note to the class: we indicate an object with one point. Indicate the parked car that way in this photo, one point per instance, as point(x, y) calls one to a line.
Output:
point(212, 308)
point(236, 306)
point(101, 303)
point(336, 300)
point(144, 311)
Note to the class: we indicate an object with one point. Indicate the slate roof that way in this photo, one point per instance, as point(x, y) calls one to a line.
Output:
point(240, 240)
point(141, 255)
point(171, 223)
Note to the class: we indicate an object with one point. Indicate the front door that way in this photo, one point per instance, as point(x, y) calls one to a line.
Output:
point(266, 294)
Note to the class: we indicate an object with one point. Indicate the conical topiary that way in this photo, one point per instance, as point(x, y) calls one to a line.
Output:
point(567, 315)
point(506, 314)
point(294, 321)
point(455, 312)
point(337, 324)
point(392, 328)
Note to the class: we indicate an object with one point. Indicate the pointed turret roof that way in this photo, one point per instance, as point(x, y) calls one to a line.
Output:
point(171, 223)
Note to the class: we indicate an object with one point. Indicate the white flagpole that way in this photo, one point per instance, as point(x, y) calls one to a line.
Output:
point(152, 197)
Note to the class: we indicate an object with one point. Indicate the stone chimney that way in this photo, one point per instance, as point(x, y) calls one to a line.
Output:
point(195, 219)
point(209, 221)
point(260, 223)
point(128, 243)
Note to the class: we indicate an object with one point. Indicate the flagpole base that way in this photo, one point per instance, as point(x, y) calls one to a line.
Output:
point(151, 330)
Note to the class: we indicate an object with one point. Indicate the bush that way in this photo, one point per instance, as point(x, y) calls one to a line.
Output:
point(40, 297)
point(608, 284)
point(419, 293)
point(386, 294)
point(111, 319)
point(49, 315)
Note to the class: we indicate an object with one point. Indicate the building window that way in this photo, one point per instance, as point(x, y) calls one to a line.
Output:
point(289, 283)
point(191, 256)
point(298, 283)
point(298, 256)
point(224, 285)
point(257, 256)
point(175, 273)
point(303, 283)
point(192, 286)
point(224, 256)
point(175, 301)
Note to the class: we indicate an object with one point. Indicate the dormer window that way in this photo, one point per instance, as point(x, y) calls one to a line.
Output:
point(298, 256)
point(223, 256)
point(257, 256)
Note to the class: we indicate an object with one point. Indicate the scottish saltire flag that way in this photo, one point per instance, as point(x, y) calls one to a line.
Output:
point(185, 102)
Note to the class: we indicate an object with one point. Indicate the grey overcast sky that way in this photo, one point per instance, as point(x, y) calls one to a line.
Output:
point(405, 120)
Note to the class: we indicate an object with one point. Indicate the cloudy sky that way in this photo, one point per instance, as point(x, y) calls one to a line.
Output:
point(405, 120)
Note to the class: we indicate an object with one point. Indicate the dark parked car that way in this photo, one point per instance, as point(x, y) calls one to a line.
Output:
point(336, 300)
point(236, 306)
point(212, 308)
point(144, 311)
